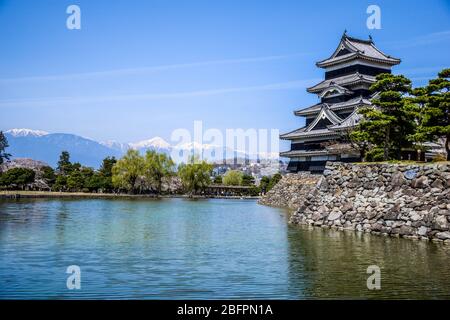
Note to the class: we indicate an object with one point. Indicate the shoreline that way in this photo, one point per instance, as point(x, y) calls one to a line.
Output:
point(81, 195)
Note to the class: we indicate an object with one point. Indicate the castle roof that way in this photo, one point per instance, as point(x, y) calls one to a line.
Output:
point(310, 130)
point(351, 48)
point(349, 122)
point(349, 104)
point(347, 80)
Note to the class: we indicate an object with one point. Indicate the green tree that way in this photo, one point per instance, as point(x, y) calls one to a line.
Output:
point(433, 107)
point(103, 180)
point(218, 179)
point(248, 180)
point(416, 107)
point(48, 174)
point(127, 170)
point(359, 140)
point(273, 181)
point(264, 183)
point(60, 183)
point(195, 175)
point(75, 181)
point(3, 145)
point(388, 123)
point(233, 178)
point(86, 172)
point(76, 166)
point(157, 166)
point(17, 177)
point(375, 154)
point(254, 191)
point(88, 175)
point(107, 165)
point(64, 165)
point(96, 182)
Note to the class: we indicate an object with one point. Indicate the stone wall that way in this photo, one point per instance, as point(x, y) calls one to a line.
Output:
point(411, 201)
point(291, 190)
point(400, 200)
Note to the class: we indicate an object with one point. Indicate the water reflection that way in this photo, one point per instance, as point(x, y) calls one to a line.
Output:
point(179, 249)
point(336, 263)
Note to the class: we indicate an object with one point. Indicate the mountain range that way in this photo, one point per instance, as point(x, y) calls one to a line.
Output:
point(44, 146)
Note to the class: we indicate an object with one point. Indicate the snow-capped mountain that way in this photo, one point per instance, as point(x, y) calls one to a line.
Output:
point(156, 143)
point(26, 132)
point(48, 147)
point(44, 146)
point(119, 146)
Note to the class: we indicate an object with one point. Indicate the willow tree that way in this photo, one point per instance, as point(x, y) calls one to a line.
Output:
point(195, 175)
point(157, 166)
point(233, 178)
point(127, 170)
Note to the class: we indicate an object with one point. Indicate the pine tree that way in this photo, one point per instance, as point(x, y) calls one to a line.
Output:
point(388, 123)
point(64, 164)
point(435, 113)
point(3, 145)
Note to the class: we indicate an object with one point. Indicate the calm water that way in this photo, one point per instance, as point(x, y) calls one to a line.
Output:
point(182, 249)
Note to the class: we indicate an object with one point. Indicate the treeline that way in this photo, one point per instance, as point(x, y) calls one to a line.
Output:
point(133, 173)
point(238, 178)
point(142, 174)
point(17, 178)
point(74, 177)
point(68, 176)
point(403, 118)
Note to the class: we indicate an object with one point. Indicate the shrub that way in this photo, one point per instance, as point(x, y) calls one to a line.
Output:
point(439, 157)
point(375, 154)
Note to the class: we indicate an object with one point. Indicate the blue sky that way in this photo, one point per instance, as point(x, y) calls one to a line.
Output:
point(139, 69)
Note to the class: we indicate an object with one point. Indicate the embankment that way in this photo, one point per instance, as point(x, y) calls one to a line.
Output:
point(400, 200)
point(85, 195)
point(291, 191)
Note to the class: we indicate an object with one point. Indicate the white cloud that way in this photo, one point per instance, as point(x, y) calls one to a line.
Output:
point(297, 84)
point(144, 70)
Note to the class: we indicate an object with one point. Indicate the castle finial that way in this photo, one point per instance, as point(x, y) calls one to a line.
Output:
point(345, 33)
point(370, 38)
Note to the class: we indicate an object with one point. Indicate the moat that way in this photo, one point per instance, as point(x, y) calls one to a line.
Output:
point(201, 249)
